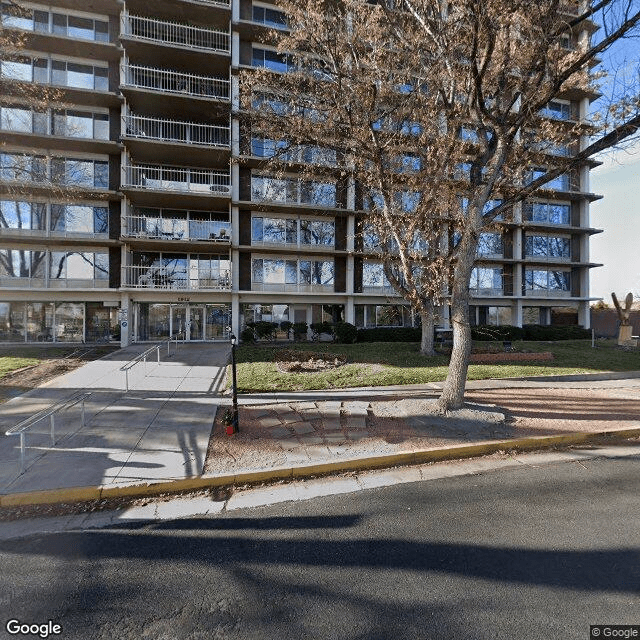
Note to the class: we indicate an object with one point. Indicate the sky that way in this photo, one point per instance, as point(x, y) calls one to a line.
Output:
point(618, 214)
point(618, 180)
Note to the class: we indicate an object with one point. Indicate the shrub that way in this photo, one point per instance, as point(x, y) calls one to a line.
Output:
point(247, 335)
point(533, 332)
point(319, 328)
point(390, 334)
point(345, 332)
point(266, 330)
point(286, 326)
point(299, 330)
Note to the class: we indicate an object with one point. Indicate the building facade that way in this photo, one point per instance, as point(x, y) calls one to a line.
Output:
point(135, 207)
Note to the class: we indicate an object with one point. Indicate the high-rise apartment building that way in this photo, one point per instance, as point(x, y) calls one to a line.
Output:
point(134, 206)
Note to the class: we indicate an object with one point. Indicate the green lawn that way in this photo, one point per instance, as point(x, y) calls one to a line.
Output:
point(11, 363)
point(390, 363)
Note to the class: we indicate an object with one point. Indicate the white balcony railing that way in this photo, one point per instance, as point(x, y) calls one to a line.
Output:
point(547, 293)
point(381, 290)
point(53, 283)
point(158, 277)
point(176, 179)
point(277, 287)
point(183, 35)
point(177, 229)
point(486, 293)
point(145, 128)
point(177, 82)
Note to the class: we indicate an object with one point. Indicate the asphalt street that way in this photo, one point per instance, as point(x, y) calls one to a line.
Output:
point(532, 552)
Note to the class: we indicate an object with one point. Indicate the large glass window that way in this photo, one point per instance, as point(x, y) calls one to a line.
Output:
point(547, 280)
point(278, 272)
point(22, 215)
point(557, 110)
point(269, 16)
point(271, 59)
point(293, 190)
point(490, 244)
point(548, 246)
point(547, 212)
point(488, 279)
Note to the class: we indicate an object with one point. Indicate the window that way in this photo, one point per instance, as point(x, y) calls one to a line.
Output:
point(547, 212)
point(271, 59)
point(81, 124)
point(73, 26)
point(548, 246)
point(293, 190)
point(282, 271)
point(486, 279)
point(22, 215)
point(490, 244)
point(82, 173)
point(559, 183)
point(547, 280)
point(79, 218)
point(270, 17)
point(557, 110)
point(373, 277)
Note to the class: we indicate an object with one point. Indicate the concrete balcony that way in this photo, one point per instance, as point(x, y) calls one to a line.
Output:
point(177, 229)
point(176, 131)
point(176, 179)
point(174, 82)
point(172, 278)
point(174, 33)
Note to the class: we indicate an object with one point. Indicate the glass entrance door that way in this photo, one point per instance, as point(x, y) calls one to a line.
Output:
point(196, 323)
point(179, 321)
point(217, 320)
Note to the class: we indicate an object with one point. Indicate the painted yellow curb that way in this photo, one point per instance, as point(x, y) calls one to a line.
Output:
point(182, 485)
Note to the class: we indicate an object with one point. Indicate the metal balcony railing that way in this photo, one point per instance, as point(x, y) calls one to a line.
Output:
point(177, 229)
point(208, 135)
point(486, 292)
point(291, 288)
point(180, 179)
point(168, 81)
point(166, 32)
point(220, 3)
point(548, 293)
point(158, 277)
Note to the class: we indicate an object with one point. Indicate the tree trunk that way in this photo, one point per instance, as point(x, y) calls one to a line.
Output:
point(428, 324)
point(452, 396)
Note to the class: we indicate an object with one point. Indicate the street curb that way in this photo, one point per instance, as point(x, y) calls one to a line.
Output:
point(198, 483)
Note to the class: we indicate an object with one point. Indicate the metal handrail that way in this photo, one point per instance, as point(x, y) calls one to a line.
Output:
point(142, 357)
point(50, 413)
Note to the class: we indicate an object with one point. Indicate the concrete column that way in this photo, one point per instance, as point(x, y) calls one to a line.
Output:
point(235, 94)
point(350, 311)
point(351, 232)
point(235, 137)
point(235, 10)
point(349, 276)
point(126, 320)
point(235, 314)
point(584, 314)
point(516, 313)
point(235, 270)
point(235, 48)
point(351, 194)
point(235, 183)
point(309, 320)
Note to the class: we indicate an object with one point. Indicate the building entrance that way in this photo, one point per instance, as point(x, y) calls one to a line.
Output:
point(190, 322)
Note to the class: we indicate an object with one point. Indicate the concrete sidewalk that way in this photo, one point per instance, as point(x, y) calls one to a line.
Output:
point(154, 438)
point(159, 430)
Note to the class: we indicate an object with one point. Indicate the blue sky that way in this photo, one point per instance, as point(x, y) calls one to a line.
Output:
point(618, 180)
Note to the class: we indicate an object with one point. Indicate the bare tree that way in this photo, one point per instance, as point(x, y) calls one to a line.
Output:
point(444, 101)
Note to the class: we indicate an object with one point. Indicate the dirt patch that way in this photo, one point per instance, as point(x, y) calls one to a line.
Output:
point(290, 361)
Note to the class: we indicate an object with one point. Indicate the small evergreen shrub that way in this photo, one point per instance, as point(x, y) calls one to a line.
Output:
point(345, 332)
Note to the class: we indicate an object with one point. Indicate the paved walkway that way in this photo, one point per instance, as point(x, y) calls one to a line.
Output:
point(158, 430)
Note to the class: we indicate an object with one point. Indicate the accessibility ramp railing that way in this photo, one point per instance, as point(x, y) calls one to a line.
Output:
point(50, 412)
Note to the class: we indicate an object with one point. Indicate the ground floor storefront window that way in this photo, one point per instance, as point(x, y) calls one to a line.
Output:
point(385, 315)
point(191, 322)
point(58, 322)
